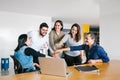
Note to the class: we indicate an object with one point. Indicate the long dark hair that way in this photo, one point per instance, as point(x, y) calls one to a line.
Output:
point(78, 35)
point(61, 23)
point(21, 41)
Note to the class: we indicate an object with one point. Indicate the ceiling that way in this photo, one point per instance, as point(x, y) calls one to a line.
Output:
point(69, 11)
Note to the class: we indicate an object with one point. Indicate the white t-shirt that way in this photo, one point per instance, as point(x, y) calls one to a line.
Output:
point(71, 42)
point(38, 43)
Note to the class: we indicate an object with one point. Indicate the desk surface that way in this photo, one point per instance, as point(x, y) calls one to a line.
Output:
point(108, 71)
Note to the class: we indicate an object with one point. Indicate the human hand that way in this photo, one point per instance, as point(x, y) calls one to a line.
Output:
point(56, 55)
point(37, 65)
point(91, 61)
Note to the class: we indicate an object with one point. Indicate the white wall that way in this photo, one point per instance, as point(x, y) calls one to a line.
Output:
point(14, 24)
point(110, 27)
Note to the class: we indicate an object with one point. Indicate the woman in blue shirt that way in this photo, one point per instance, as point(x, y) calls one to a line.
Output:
point(94, 53)
point(25, 54)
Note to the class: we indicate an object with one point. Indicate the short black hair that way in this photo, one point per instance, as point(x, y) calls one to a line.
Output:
point(43, 25)
point(92, 35)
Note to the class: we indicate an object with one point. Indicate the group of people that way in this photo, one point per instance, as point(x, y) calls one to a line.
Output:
point(59, 45)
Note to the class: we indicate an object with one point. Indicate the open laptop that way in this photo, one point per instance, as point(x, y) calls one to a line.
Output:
point(53, 66)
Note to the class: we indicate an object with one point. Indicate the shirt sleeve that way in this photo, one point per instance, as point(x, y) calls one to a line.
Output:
point(103, 54)
point(65, 38)
point(29, 34)
point(46, 44)
point(77, 48)
point(30, 51)
point(51, 40)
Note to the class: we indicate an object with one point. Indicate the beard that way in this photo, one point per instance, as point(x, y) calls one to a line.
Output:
point(42, 34)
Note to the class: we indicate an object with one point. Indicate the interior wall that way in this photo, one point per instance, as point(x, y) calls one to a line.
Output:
point(14, 24)
point(110, 27)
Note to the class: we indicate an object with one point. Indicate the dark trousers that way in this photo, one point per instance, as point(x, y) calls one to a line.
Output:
point(70, 60)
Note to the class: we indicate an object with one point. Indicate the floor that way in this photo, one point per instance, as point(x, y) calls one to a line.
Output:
point(10, 71)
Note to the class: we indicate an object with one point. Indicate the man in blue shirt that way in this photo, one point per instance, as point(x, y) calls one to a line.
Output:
point(94, 53)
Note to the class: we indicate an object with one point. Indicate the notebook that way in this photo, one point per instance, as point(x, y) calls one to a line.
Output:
point(92, 68)
point(53, 66)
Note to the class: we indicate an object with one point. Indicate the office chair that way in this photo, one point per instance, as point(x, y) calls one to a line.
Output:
point(17, 65)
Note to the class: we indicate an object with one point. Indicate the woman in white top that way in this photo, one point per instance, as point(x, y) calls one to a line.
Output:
point(72, 39)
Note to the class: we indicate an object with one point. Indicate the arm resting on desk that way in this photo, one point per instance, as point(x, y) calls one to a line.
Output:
point(92, 61)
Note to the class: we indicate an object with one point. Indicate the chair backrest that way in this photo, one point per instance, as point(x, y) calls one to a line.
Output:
point(17, 65)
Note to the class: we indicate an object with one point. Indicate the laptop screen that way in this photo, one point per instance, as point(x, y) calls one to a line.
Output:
point(52, 66)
